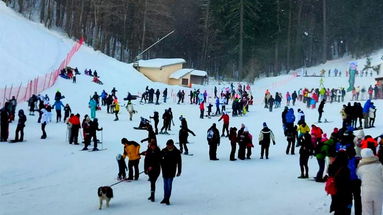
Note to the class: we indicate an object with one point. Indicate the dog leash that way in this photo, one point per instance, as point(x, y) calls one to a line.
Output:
point(124, 180)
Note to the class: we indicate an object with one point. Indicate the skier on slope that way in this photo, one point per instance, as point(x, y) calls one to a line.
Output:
point(183, 135)
point(320, 110)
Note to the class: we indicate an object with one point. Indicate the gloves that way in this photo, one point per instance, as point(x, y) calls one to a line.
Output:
point(273, 142)
point(178, 174)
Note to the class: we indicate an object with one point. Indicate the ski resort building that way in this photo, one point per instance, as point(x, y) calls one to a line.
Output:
point(170, 71)
point(187, 77)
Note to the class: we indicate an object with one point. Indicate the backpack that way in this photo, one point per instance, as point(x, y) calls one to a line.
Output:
point(210, 134)
point(330, 187)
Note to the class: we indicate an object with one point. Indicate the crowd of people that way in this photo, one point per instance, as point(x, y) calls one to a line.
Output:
point(351, 158)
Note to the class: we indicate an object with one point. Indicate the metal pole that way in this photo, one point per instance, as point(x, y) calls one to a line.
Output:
point(155, 44)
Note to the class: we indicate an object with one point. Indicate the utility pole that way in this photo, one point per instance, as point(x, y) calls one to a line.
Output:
point(240, 63)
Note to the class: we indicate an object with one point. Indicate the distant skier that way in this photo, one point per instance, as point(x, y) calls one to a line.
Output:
point(320, 110)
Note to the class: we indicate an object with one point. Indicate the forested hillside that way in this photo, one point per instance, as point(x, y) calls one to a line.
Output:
point(229, 38)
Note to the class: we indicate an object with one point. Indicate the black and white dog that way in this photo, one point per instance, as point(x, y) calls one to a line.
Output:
point(105, 193)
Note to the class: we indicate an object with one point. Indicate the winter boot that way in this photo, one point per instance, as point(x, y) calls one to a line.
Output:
point(151, 197)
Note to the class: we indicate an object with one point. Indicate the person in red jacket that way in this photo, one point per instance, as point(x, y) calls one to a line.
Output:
point(74, 122)
point(202, 109)
point(316, 132)
point(225, 117)
point(369, 142)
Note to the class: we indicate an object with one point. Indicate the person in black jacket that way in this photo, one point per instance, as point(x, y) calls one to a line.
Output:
point(342, 201)
point(20, 126)
point(265, 137)
point(151, 134)
point(291, 135)
point(93, 132)
point(233, 142)
point(109, 101)
point(170, 163)
point(213, 140)
point(304, 153)
point(156, 119)
point(4, 118)
point(157, 96)
point(170, 119)
point(241, 139)
point(320, 109)
point(166, 120)
point(152, 166)
point(165, 94)
point(67, 112)
point(183, 135)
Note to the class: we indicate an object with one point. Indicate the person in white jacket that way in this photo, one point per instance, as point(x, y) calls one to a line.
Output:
point(45, 119)
point(130, 110)
point(370, 171)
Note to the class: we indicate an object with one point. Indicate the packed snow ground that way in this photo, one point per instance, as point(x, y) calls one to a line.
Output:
point(52, 177)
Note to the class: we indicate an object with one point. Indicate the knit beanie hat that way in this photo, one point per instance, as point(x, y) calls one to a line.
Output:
point(264, 124)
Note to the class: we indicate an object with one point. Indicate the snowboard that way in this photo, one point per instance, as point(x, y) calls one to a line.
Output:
point(99, 150)
point(14, 141)
point(165, 133)
point(138, 128)
point(188, 154)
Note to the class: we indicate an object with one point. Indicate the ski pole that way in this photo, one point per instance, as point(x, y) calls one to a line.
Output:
point(102, 139)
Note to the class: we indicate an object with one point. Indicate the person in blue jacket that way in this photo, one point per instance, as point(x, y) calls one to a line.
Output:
point(290, 118)
point(218, 111)
point(366, 110)
point(57, 106)
point(93, 107)
point(104, 95)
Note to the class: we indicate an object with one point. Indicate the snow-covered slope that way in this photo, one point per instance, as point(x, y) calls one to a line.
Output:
point(52, 177)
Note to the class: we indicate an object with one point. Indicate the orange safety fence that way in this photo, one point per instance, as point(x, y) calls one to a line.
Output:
point(39, 84)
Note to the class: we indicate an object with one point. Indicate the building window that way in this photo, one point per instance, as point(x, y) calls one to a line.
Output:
point(185, 81)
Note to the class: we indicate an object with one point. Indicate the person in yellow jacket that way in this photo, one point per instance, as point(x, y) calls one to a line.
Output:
point(302, 129)
point(116, 108)
point(132, 151)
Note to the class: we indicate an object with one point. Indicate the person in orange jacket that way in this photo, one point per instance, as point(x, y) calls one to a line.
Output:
point(369, 142)
point(132, 151)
